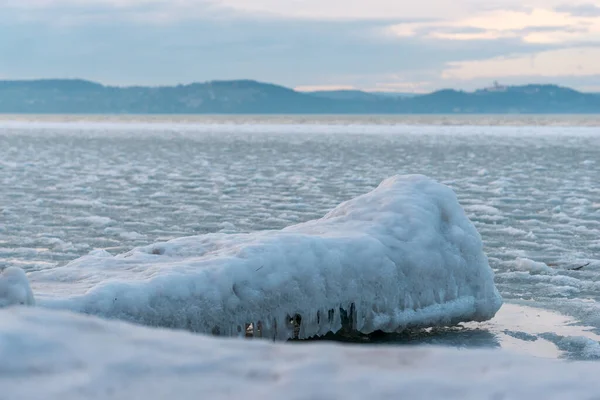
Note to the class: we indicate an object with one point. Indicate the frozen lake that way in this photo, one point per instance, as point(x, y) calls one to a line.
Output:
point(533, 192)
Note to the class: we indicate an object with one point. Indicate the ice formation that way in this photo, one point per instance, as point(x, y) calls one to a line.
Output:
point(14, 288)
point(402, 256)
point(59, 355)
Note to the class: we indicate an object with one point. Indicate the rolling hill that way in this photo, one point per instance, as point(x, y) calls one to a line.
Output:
point(251, 97)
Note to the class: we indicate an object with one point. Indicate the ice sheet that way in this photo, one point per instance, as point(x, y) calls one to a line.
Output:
point(57, 355)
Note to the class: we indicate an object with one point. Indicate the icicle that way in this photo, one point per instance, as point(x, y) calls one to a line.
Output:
point(275, 330)
point(408, 302)
point(257, 332)
point(323, 326)
point(337, 319)
point(441, 296)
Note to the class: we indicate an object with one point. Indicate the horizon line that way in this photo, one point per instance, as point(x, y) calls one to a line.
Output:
point(298, 88)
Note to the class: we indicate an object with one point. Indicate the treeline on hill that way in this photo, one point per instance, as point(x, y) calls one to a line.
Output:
point(251, 97)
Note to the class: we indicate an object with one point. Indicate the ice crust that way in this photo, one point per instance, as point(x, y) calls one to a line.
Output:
point(402, 256)
point(59, 355)
point(15, 288)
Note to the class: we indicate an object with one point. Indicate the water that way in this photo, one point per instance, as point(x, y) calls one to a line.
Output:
point(532, 191)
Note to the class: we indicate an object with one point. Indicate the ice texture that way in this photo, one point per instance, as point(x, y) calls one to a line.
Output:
point(14, 288)
point(64, 356)
point(402, 256)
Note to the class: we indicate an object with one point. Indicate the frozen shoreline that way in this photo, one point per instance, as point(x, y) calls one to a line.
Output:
point(59, 355)
point(516, 328)
point(541, 333)
point(503, 185)
point(402, 256)
point(410, 229)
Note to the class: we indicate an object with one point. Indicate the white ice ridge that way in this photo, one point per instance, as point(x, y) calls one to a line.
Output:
point(55, 355)
point(402, 256)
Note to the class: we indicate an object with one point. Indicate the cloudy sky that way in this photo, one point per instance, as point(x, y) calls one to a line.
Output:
point(387, 45)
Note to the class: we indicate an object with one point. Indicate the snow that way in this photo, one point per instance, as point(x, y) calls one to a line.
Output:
point(96, 220)
point(584, 347)
point(483, 209)
point(59, 355)
point(533, 267)
point(14, 288)
point(131, 235)
point(402, 256)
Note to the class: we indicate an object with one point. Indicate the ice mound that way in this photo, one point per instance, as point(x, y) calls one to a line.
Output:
point(402, 256)
point(14, 288)
point(62, 356)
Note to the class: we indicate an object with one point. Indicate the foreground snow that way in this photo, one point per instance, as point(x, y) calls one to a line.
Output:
point(58, 355)
point(402, 256)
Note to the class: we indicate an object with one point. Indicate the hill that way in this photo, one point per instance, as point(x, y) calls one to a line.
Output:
point(251, 97)
point(358, 95)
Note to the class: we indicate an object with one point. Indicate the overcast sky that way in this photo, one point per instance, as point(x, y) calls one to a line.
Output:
point(392, 45)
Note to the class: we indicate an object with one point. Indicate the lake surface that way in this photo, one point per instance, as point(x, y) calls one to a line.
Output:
point(531, 186)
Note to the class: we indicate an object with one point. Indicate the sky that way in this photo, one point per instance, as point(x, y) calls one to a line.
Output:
point(375, 45)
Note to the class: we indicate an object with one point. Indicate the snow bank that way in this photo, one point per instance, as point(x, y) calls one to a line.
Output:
point(58, 355)
point(402, 256)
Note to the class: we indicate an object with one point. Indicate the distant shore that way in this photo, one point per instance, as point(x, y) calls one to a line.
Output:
point(583, 120)
point(56, 96)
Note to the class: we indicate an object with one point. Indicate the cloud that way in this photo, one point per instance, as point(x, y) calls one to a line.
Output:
point(312, 9)
point(303, 9)
point(548, 64)
point(581, 10)
point(531, 26)
point(380, 45)
point(81, 12)
point(288, 51)
point(357, 9)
